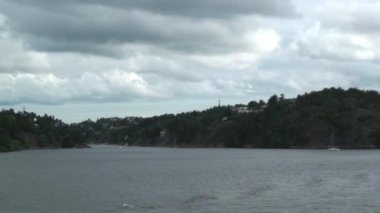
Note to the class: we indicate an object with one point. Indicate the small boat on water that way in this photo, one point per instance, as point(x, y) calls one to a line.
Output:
point(121, 146)
point(333, 149)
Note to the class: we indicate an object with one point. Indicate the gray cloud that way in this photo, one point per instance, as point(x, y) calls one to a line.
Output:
point(85, 47)
point(93, 51)
point(96, 27)
point(192, 9)
point(359, 17)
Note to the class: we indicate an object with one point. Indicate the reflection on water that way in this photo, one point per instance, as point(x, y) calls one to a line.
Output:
point(133, 179)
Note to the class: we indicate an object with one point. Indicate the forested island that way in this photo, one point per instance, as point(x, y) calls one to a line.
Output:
point(342, 118)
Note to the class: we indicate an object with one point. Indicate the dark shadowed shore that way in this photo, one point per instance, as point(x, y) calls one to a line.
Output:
point(346, 119)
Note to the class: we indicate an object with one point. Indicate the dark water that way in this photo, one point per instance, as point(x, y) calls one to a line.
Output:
point(105, 178)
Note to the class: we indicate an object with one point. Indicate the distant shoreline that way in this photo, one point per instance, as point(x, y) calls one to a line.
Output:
point(197, 147)
point(332, 117)
point(220, 147)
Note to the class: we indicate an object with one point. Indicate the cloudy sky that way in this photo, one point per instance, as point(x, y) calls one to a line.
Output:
point(79, 59)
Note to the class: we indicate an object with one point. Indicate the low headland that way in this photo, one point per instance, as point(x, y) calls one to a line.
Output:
point(333, 117)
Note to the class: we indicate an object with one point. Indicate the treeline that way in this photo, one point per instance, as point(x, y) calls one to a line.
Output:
point(26, 130)
point(331, 117)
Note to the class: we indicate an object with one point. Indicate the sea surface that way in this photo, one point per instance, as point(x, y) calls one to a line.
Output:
point(133, 179)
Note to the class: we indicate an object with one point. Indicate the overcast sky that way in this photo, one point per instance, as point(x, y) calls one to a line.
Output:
point(79, 59)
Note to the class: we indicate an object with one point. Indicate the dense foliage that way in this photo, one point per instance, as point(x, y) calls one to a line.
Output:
point(24, 130)
point(331, 117)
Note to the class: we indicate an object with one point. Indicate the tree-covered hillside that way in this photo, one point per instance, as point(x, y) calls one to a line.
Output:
point(24, 130)
point(331, 117)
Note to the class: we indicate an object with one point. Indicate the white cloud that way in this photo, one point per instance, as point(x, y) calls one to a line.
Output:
point(136, 51)
point(265, 40)
point(332, 44)
point(129, 82)
point(14, 57)
point(47, 88)
point(14, 54)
